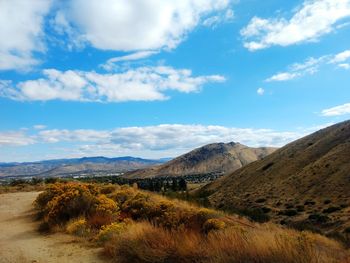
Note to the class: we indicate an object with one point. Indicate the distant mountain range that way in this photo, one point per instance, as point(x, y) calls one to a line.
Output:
point(305, 183)
point(62, 167)
point(211, 158)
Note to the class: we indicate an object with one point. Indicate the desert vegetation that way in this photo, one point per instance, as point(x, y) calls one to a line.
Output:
point(137, 226)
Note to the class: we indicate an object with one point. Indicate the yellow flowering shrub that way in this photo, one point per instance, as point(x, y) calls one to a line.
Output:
point(64, 201)
point(109, 188)
point(105, 205)
point(123, 195)
point(109, 231)
point(213, 224)
point(78, 227)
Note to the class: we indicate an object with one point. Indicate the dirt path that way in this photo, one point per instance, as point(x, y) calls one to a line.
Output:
point(20, 242)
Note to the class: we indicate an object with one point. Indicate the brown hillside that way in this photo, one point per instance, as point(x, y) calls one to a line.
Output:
point(212, 158)
point(306, 182)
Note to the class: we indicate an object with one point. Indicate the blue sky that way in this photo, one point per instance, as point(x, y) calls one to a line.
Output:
point(158, 78)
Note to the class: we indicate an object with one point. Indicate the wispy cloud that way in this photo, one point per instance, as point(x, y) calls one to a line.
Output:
point(39, 127)
point(337, 111)
point(341, 57)
point(214, 21)
point(138, 84)
point(283, 76)
point(311, 66)
point(310, 21)
point(110, 64)
point(16, 138)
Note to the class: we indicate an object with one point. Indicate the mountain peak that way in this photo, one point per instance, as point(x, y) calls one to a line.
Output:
point(211, 158)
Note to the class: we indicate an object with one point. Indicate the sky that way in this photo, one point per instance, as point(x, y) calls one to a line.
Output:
point(157, 78)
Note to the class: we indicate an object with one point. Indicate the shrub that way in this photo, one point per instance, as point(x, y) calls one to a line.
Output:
point(108, 189)
point(289, 206)
point(327, 201)
point(347, 230)
point(266, 210)
point(213, 224)
point(261, 200)
point(300, 208)
point(62, 202)
point(78, 227)
point(331, 209)
point(109, 232)
point(289, 212)
point(44, 227)
point(104, 212)
point(255, 214)
point(318, 218)
point(74, 202)
point(105, 205)
point(309, 202)
point(123, 195)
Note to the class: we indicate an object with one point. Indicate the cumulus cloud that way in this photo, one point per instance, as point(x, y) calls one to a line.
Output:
point(165, 137)
point(21, 32)
point(146, 141)
point(139, 84)
point(337, 111)
point(135, 25)
point(311, 66)
point(309, 22)
point(16, 138)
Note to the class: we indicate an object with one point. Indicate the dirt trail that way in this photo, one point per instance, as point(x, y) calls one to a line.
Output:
point(20, 242)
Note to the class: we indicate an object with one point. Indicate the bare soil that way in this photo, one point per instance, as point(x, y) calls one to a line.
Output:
point(21, 242)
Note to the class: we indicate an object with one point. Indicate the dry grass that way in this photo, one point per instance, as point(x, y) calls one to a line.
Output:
point(145, 227)
point(143, 242)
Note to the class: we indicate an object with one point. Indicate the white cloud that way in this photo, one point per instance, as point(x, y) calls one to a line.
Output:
point(310, 21)
point(54, 136)
point(283, 77)
point(341, 57)
point(169, 136)
point(135, 25)
point(260, 91)
point(215, 20)
point(21, 32)
point(110, 64)
point(344, 66)
point(39, 127)
point(15, 138)
point(139, 84)
point(311, 66)
point(156, 141)
point(337, 111)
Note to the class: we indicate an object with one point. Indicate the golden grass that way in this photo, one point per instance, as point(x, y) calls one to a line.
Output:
point(143, 242)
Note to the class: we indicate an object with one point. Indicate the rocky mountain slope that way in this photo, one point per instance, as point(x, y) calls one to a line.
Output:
point(305, 183)
point(212, 158)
